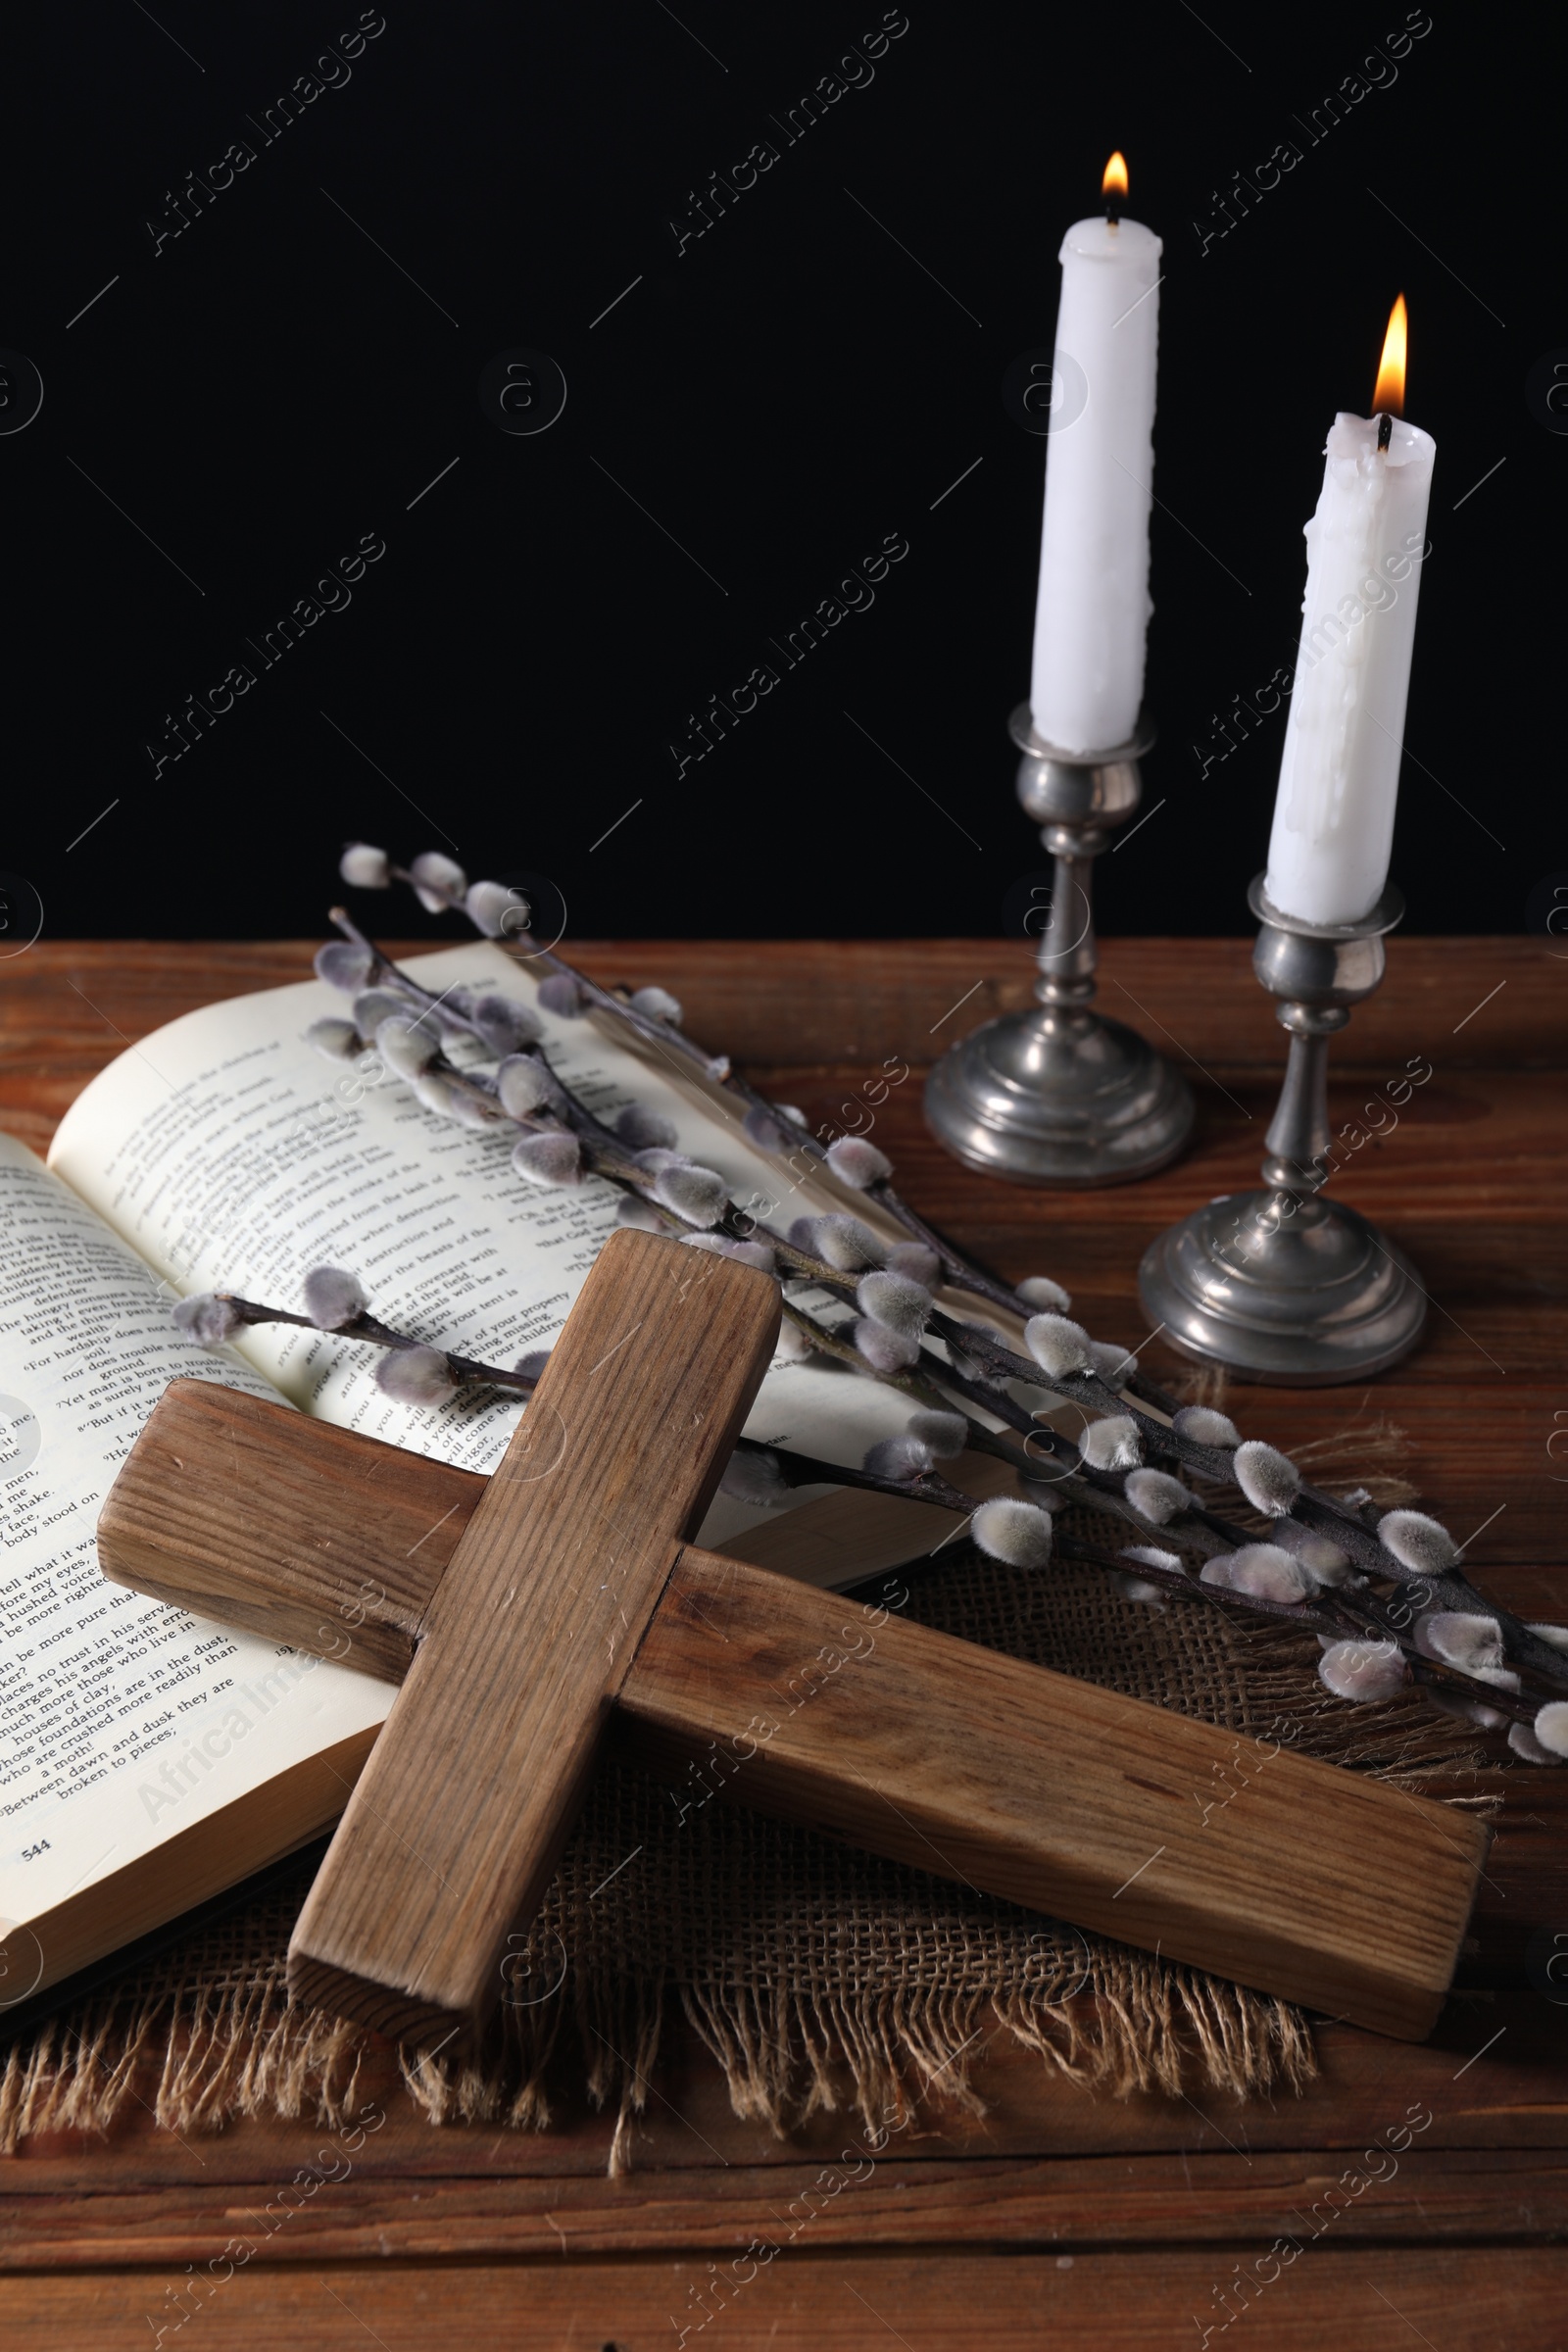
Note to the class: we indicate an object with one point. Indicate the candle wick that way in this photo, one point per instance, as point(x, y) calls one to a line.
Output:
point(1385, 433)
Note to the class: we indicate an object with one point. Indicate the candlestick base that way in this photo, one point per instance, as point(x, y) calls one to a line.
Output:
point(1058, 1095)
point(1283, 1286)
point(1303, 1304)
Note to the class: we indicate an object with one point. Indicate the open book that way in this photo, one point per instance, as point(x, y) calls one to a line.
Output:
point(148, 1759)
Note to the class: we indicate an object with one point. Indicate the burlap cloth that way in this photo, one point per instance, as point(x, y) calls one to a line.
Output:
point(818, 1977)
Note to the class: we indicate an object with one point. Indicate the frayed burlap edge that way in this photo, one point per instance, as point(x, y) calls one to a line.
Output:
point(888, 2059)
point(1129, 2027)
point(246, 2052)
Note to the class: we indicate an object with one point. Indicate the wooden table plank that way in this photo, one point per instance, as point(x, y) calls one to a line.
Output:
point(69, 1006)
point(1359, 2299)
point(906, 2203)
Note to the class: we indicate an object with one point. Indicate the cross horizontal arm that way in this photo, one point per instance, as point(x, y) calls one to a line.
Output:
point(335, 1543)
point(1283, 1873)
point(250, 1513)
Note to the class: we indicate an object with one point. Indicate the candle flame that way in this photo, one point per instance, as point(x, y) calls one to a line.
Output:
point(1387, 394)
point(1114, 182)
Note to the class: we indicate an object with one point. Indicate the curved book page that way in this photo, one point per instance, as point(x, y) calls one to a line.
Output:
point(127, 1729)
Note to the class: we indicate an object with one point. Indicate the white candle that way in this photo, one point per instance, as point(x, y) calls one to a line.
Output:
point(1091, 614)
point(1328, 856)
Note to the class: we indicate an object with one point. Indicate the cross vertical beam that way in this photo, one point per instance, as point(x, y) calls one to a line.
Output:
point(458, 1821)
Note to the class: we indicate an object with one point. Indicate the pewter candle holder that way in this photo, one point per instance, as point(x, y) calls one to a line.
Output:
point(1061, 1095)
point(1282, 1285)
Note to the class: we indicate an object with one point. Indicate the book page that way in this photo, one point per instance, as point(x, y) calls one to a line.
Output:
point(121, 1720)
point(231, 1157)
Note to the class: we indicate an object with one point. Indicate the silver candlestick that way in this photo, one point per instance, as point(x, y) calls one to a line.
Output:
point(1061, 1095)
point(1283, 1285)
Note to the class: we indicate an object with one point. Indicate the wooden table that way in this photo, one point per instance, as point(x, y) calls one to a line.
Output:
point(1059, 2218)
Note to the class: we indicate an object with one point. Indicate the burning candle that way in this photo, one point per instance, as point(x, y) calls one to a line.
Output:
point(1328, 856)
point(1092, 615)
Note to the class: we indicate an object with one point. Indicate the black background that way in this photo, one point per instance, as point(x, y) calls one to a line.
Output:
point(795, 384)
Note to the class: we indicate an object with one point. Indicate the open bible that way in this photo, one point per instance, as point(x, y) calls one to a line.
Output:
point(149, 1759)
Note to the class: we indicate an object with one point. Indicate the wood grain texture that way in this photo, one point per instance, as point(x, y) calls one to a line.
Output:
point(455, 1828)
point(1358, 2300)
point(296, 1530)
point(912, 2197)
point(813, 1021)
point(1315, 1885)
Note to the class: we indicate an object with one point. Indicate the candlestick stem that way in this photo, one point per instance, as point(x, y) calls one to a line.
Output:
point(1283, 1285)
point(1069, 952)
point(1299, 1137)
point(1061, 1095)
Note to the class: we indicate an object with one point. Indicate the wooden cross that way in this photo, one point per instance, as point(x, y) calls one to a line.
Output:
point(519, 1613)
